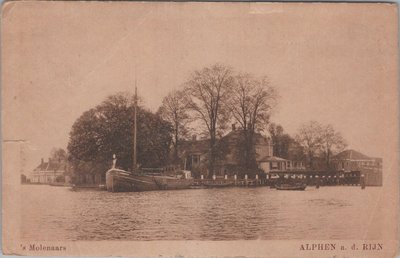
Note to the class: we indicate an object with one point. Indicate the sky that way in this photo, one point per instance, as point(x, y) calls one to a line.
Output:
point(331, 63)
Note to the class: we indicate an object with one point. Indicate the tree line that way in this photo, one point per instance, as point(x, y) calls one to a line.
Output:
point(107, 129)
point(209, 101)
point(214, 97)
point(320, 142)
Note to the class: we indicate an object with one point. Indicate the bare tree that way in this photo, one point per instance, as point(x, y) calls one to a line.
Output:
point(208, 91)
point(332, 142)
point(310, 136)
point(174, 109)
point(251, 104)
point(252, 101)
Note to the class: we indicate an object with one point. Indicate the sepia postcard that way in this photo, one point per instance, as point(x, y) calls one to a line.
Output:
point(200, 129)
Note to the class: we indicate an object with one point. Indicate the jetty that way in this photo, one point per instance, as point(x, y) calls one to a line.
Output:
point(307, 177)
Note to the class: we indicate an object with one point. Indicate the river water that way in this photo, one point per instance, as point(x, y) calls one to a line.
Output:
point(57, 213)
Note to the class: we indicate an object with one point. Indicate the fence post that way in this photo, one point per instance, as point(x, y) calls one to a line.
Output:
point(362, 181)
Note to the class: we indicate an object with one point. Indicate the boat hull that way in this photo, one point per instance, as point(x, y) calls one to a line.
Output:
point(301, 187)
point(171, 183)
point(122, 181)
point(217, 184)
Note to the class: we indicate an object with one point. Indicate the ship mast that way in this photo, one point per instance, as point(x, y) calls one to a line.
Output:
point(135, 130)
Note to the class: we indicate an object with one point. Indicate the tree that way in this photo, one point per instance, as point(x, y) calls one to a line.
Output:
point(283, 143)
point(309, 136)
point(174, 109)
point(252, 101)
point(251, 104)
point(108, 129)
point(58, 154)
point(207, 92)
point(320, 140)
point(332, 142)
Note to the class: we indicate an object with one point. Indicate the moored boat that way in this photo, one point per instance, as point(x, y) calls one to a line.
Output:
point(172, 182)
point(217, 183)
point(292, 187)
point(118, 180)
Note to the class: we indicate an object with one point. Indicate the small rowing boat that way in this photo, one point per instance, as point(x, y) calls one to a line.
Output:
point(217, 183)
point(291, 187)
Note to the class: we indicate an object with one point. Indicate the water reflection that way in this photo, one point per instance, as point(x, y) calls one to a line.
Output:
point(56, 213)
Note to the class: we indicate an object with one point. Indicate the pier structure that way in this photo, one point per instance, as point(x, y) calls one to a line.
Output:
point(309, 177)
point(320, 178)
point(229, 181)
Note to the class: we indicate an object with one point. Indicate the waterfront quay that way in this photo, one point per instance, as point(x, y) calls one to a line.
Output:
point(311, 178)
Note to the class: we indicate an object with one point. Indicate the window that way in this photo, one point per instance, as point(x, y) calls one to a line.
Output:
point(274, 165)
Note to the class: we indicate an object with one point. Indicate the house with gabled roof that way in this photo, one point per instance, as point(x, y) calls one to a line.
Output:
point(352, 160)
point(194, 155)
point(50, 172)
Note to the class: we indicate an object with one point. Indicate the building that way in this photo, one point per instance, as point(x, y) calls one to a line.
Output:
point(351, 160)
point(194, 155)
point(275, 164)
point(50, 172)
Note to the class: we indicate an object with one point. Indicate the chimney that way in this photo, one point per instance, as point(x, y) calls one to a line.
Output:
point(233, 127)
point(194, 137)
point(41, 163)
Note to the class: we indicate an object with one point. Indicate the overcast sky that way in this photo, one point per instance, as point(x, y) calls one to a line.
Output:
point(331, 63)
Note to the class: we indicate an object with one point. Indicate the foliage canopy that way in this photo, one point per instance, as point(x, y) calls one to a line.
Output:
point(108, 129)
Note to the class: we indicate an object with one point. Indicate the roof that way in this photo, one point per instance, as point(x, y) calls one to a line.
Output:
point(42, 166)
point(51, 166)
point(377, 159)
point(351, 155)
point(203, 146)
point(194, 146)
point(272, 158)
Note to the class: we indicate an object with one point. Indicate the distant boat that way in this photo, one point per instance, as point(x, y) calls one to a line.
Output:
point(118, 180)
point(292, 187)
point(198, 187)
point(217, 183)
